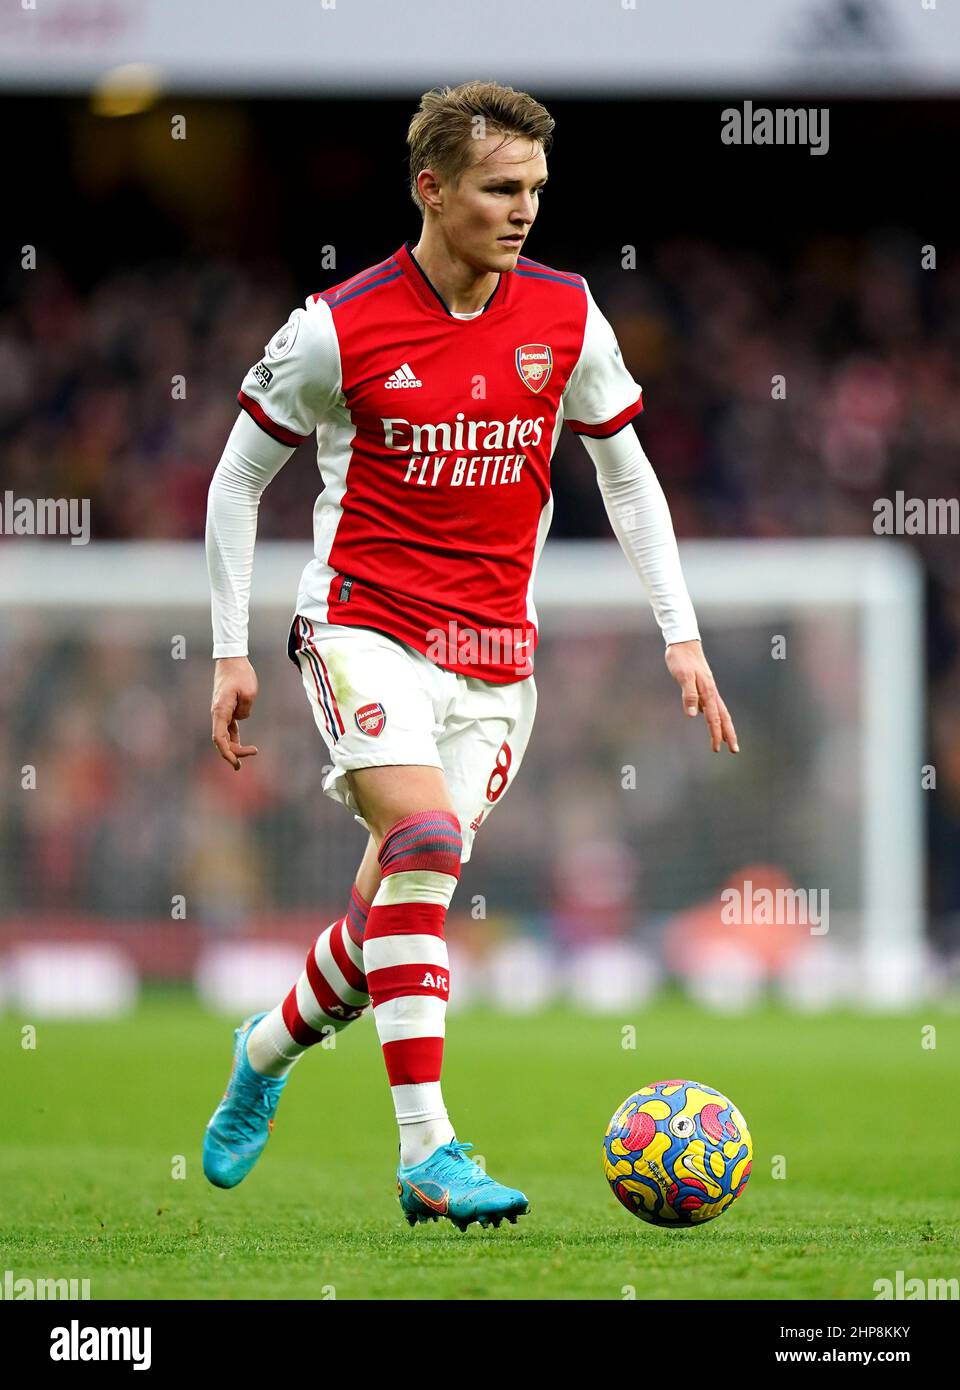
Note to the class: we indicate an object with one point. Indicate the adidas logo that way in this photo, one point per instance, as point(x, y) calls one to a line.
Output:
point(402, 379)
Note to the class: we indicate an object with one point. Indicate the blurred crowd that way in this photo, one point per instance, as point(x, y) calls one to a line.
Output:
point(614, 824)
point(782, 400)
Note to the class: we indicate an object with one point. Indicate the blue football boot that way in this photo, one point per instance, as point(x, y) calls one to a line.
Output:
point(452, 1185)
point(243, 1121)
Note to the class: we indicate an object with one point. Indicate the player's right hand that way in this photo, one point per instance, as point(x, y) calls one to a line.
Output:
point(235, 688)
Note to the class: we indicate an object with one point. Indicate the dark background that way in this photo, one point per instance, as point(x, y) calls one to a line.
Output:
point(159, 257)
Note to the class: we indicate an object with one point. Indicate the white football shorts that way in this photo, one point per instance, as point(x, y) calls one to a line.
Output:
point(378, 702)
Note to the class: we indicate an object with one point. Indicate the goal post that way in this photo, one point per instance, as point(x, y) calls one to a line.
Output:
point(881, 582)
point(817, 647)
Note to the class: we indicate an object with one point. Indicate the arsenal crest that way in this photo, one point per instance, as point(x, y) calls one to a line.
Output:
point(534, 363)
point(371, 719)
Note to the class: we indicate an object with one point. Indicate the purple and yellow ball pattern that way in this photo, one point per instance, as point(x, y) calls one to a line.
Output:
point(677, 1153)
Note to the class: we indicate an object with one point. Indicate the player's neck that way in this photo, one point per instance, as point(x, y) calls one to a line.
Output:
point(462, 288)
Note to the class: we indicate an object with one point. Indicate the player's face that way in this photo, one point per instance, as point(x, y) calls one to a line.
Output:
point(487, 216)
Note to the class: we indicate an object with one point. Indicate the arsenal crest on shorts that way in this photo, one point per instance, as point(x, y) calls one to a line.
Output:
point(371, 719)
point(534, 363)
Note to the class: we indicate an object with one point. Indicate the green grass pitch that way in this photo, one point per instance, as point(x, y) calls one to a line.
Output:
point(95, 1115)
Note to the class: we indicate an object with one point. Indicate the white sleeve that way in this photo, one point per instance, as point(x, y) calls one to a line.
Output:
point(600, 395)
point(640, 518)
point(249, 462)
point(284, 397)
point(298, 380)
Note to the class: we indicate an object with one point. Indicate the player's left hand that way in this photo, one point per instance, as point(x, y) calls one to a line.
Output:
point(688, 666)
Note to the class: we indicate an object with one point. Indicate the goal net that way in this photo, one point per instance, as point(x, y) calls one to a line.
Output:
point(625, 843)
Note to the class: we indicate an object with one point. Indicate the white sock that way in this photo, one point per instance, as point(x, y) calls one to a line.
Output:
point(270, 1049)
point(422, 1117)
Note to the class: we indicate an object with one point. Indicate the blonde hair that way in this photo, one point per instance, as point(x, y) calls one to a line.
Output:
point(441, 131)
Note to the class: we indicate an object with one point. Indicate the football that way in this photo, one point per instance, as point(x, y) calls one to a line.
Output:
point(677, 1153)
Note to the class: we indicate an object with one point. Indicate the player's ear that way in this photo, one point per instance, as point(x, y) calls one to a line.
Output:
point(430, 190)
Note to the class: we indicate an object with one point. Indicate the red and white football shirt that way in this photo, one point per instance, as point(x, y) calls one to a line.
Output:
point(434, 440)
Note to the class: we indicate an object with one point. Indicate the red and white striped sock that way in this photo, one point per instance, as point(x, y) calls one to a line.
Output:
point(405, 959)
point(331, 992)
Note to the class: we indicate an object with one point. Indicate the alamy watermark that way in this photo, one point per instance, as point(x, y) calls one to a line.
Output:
point(916, 516)
point(76, 1343)
point(13, 1289)
point(900, 1287)
point(46, 516)
point(749, 906)
point(488, 646)
point(783, 125)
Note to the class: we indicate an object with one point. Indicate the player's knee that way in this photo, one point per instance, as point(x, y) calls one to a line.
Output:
point(430, 841)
